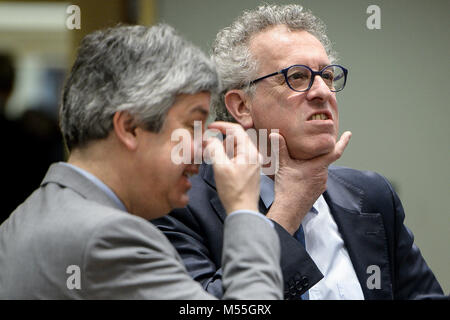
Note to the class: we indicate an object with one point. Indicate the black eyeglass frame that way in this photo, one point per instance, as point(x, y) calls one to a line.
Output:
point(284, 72)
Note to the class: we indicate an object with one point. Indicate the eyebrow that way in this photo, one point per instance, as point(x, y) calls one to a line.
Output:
point(199, 109)
point(321, 66)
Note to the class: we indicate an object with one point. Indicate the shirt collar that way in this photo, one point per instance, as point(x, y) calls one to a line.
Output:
point(267, 194)
point(99, 184)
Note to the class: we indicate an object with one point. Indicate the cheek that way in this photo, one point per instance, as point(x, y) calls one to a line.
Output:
point(263, 109)
point(335, 116)
point(271, 115)
point(165, 170)
point(197, 149)
point(337, 127)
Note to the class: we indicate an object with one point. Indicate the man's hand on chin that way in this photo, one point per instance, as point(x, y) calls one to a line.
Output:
point(298, 183)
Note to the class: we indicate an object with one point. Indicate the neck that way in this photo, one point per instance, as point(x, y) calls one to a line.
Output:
point(97, 160)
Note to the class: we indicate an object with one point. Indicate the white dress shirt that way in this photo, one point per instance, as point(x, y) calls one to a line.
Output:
point(326, 247)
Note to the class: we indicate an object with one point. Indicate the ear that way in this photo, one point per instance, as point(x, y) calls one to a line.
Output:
point(238, 106)
point(125, 129)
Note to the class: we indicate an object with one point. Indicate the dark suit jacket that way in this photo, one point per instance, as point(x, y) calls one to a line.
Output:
point(369, 216)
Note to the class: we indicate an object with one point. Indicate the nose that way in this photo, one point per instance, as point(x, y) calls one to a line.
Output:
point(319, 90)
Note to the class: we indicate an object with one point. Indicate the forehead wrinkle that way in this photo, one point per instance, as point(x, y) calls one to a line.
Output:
point(308, 48)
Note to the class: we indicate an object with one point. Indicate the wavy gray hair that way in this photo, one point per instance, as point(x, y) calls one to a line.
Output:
point(134, 68)
point(232, 56)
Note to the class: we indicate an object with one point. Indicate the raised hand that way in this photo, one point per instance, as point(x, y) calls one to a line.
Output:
point(236, 170)
point(298, 183)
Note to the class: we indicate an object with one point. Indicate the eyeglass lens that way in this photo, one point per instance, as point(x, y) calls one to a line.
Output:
point(299, 77)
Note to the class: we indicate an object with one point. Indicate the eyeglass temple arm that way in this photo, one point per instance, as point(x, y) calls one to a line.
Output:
point(339, 77)
point(267, 76)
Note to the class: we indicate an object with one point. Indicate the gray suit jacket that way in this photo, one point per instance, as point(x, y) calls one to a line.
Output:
point(69, 228)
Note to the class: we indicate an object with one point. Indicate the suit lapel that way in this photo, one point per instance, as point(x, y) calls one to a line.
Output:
point(262, 207)
point(218, 207)
point(363, 235)
point(207, 174)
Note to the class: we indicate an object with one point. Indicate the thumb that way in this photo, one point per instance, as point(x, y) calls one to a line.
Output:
point(342, 144)
point(278, 148)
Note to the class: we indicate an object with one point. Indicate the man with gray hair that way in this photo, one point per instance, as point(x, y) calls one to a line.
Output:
point(84, 233)
point(341, 230)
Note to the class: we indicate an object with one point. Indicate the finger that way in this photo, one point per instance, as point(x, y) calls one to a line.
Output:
point(246, 150)
point(238, 144)
point(214, 152)
point(230, 145)
point(233, 134)
point(226, 127)
point(238, 138)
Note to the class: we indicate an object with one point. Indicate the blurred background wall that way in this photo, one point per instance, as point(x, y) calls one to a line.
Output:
point(396, 101)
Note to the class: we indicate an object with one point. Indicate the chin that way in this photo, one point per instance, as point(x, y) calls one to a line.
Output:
point(181, 202)
point(313, 149)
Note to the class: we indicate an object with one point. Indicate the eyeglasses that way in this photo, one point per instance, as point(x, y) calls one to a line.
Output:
point(300, 78)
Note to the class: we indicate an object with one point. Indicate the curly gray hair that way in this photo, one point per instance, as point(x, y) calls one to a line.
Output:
point(134, 68)
point(232, 56)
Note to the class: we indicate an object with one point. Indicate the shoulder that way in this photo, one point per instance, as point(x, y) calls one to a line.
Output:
point(56, 228)
point(57, 215)
point(368, 181)
point(375, 191)
point(124, 229)
point(354, 174)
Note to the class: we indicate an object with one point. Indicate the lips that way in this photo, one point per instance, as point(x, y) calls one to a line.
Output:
point(190, 171)
point(188, 174)
point(185, 182)
point(321, 115)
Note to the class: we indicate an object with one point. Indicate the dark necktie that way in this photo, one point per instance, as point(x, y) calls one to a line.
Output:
point(300, 236)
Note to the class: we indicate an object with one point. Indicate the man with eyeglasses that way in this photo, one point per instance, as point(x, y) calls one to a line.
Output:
point(84, 233)
point(341, 230)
